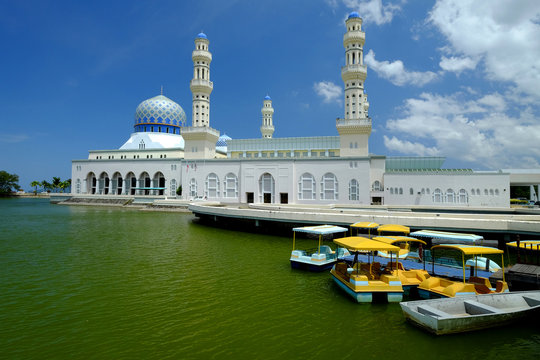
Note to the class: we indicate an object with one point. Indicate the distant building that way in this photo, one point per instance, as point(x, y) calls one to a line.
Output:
point(163, 154)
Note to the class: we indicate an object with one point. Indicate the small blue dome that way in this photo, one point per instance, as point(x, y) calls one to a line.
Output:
point(267, 97)
point(354, 14)
point(202, 36)
point(222, 141)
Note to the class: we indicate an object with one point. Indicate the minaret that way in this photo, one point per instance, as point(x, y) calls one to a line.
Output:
point(355, 128)
point(201, 86)
point(200, 139)
point(267, 127)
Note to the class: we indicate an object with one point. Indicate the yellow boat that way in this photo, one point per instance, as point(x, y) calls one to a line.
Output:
point(393, 229)
point(365, 225)
point(437, 287)
point(410, 279)
point(364, 280)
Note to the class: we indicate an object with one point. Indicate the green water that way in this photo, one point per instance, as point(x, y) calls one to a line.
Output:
point(107, 283)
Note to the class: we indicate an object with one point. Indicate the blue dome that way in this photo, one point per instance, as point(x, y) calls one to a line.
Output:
point(202, 36)
point(161, 111)
point(267, 97)
point(354, 14)
point(222, 141)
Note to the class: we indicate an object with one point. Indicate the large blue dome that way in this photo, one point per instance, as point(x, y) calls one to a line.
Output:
point(159, 114)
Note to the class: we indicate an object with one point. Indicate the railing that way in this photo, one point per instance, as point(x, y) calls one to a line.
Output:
point(201, 82)
point(195, 129)
point(353, 122)
point(201, 54)
point(353, 68)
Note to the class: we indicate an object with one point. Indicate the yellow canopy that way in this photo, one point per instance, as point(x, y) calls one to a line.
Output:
point(526, 244)
point(394, 228)
point(470, 249)
point(357, 243)
point(396, 239)
point(365, 225)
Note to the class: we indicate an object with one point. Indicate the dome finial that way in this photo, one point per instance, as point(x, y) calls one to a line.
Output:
point(161, 89)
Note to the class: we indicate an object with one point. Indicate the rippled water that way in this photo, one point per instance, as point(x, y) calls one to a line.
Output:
point(92, 282)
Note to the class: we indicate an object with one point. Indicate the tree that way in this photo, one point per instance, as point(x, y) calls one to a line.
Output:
point(8, 182)
point(65, 185)
point(35, 185)
point(47, 186)
point(179, 191)
point(56, 183)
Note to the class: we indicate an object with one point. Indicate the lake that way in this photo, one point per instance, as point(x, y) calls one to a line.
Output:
point(114, 283)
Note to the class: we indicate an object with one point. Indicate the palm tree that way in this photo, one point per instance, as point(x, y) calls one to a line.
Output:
point(35, 185)
point(47, 186)
point(56, 183)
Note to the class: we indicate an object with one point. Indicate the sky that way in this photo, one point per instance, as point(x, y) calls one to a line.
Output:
point(452, 78)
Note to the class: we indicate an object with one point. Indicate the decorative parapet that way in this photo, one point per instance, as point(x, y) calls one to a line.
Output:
point(200, 84)
point(354, 36)
point(201, 55)
point(356, 71)
point(353, 126)
point(199, 129)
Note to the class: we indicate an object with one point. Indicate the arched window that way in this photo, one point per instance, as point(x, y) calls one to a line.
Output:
point(472, 191)
point(463, 197)
point(497, 192)
point(437, 196)
point(212, 186)
point(329, 187)
point(400, 191)
point(78, 186)
point(306, 187)
point(353, 190)
point(411, 191)
point(376, 186)
point(391, 191)
point(192, 187)
point(491, 192)
point(267, 187)
point(173, 187)
point(230, 187)
point(450, 196)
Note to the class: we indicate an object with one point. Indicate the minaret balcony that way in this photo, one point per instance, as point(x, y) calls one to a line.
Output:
point(201, 85)
point(353, 126)
point(351, 37)
point(201, 55)
point(356, 71)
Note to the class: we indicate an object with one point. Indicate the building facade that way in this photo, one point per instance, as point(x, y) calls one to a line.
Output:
point(163, 154)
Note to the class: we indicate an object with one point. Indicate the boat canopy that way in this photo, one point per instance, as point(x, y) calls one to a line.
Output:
point(396, 239)
point(469, 249)
point(526, 244)
point(443, 235)
point(365, 225)
point(358, 243)
point(394, 228)
point(320, 229)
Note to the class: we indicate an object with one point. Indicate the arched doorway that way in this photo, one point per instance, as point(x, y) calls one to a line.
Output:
point(117, 183)
point(131, 183)
point(144, 184)
point(103, 183)
point(91, 183)
point(266, 188)
point(159, 183)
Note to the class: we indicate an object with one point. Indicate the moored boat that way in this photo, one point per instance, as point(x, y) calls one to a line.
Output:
point(472, 312)
point(365, 280)
point(320, 258)
point(437, 287)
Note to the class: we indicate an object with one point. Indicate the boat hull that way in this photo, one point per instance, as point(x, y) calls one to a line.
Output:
point(471, 313)
point(312, 266)
point(368, 296)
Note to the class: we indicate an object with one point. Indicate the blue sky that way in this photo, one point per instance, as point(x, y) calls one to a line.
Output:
point(448, 78)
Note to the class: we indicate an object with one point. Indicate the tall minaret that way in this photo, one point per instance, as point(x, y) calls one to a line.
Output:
point(201, 86)
point(200, 139)
point(355, 128)
point(267, 127)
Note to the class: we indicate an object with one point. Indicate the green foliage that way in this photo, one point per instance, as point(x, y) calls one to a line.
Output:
point(179, 191)
point(8, 183)
point(521, 191)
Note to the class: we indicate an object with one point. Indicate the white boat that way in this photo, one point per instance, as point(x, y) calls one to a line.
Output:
point(437, 237)
point(320, 258)
point(474, 312)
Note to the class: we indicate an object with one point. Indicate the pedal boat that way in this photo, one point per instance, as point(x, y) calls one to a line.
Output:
point(404, 243)
point(437, 287)
point(364, 281)
point(320, 258)
point(363, 225)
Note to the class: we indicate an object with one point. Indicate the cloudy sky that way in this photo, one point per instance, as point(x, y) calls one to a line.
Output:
point(453, 78)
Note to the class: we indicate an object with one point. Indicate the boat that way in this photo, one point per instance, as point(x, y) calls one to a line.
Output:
point(393, 229)
point(320, 258)
point(437, 287)
point(472, 312)
point(483, 263)
point(365, 225)
point(404, 243)
point(365, 280)
point(435, 237)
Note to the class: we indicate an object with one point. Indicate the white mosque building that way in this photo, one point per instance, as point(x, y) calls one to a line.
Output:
point(163, 154)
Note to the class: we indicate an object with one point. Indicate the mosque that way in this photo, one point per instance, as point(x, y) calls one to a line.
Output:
point(164, 155)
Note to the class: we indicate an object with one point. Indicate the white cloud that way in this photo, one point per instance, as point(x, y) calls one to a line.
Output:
point(396, 73)
point(407, 147)
point(504, 34)
point(473, 130)
point(457, 64)
point(373, 10)
point(328, 91)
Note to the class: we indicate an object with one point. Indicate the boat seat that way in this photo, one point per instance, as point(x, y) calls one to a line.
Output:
point(475, 308)
point(430, 310)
